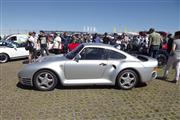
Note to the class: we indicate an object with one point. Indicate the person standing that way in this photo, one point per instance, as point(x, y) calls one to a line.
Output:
point(170, 56)
point(155, 41)
point(169, 43)
point(57, 44)
point(175, 59)
point(113, 39)
point(32, 46)
point(176, 51)
point(43, 41)
point(96, 38)
point(106, 38)
point(65, 40)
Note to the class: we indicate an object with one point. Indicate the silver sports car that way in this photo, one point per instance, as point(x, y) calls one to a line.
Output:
point(89, 64)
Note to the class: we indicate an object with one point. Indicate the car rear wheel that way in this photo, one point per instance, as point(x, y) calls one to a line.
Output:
point(3, 57)
point(127, 79)
point(45, 80)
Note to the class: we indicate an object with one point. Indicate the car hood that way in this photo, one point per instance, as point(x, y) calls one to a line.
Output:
point(52, 58)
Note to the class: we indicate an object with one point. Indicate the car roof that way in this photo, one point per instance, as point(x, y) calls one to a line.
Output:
point(97, 45)
point(102, 45)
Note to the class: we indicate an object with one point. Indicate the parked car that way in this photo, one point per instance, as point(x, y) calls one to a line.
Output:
point(18, 38)
point(89, 64)
point(11, 50)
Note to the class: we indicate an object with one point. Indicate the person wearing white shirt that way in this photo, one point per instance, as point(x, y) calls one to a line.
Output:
point(57, 44)
point(32, 45)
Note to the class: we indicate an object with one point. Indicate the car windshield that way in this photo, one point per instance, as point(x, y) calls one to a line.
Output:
point(7, 36)
point(74, 52)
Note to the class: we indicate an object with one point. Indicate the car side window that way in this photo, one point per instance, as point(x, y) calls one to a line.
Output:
point(113, 55)
point(7, 44)
point(93, 54)
point(19, 45)
point(14, 38)
point(1, 43)
point(10, 45)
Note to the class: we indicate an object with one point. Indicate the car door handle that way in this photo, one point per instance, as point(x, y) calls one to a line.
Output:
point(102, 64)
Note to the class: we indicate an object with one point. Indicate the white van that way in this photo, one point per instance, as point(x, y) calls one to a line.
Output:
point(19, 38)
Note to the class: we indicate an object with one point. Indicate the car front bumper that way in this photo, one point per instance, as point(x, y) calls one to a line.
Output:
point(25, 80)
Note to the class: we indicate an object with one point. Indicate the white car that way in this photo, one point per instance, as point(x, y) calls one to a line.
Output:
point(11, 50)
point(18, 38)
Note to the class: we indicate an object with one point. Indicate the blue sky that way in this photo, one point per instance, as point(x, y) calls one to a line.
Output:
point(134, 15)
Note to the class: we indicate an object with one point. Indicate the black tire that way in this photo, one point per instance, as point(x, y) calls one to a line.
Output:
point(45, 80)
point(127, 79)
point(3, 58)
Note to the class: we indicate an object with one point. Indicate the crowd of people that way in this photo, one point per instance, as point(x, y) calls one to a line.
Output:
point(37, 43)
point(148, 43)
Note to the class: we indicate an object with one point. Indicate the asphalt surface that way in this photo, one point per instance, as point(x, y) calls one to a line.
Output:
point(156, 100)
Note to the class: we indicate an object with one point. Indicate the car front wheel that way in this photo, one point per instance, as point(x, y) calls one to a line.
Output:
point(127, 79)
point(45, 80)
point(3, 57)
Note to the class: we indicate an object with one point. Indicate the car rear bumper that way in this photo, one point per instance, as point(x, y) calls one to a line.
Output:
point(149, 77)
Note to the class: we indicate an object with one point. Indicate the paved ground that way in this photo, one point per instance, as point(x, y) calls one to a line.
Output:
point(159, 100)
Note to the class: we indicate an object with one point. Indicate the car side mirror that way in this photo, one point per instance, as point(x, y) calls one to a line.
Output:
point(77, 58)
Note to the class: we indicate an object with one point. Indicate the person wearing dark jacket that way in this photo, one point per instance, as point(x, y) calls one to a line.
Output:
point(65, 40)
point(170, 43)
point(106, 39)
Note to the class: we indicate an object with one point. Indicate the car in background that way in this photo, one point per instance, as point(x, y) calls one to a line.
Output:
point(11, 50)
point(89, 64)
point(18, 38)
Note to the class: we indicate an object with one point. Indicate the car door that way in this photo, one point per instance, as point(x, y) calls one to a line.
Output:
point(21, 51)
point(91, 65)
point(16, 51)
